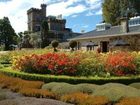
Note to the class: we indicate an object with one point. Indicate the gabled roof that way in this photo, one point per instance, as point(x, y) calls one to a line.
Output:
point(113, 31)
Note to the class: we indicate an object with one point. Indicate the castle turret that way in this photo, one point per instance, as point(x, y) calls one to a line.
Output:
point(43, 9)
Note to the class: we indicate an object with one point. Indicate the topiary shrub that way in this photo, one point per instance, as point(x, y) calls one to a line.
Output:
point(72, 44)
point(115, 91)
point(55, 44)
point(86, 88)
point(65, 88)
point(60, 88)
point(135, 85)
point(129, 101)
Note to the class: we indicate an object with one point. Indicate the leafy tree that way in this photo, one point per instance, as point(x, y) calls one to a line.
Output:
point(44, 32)
point(55, 44)
point(8, 36)
point(26, 42)
point(72, 44)
point(113, 10)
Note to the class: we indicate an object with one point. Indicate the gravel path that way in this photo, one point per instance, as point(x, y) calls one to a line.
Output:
point(18, 99)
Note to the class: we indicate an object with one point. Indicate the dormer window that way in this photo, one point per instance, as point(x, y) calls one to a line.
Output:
point(103, 26)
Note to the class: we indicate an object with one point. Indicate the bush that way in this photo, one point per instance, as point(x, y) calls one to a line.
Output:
point(90, 67)
point(86, 88)
point(55, 44)
point(69, 79)
point(135, 85)
point(115, 91)
point(84, 99)
point(50, 63)
point(72, 44)
point(65, 88)
point(60, 88)
point(39, 93)
point(129, 101)
point(15, 84)
point(120, 63)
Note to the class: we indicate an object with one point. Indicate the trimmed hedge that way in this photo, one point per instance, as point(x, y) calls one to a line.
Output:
point(69, 79)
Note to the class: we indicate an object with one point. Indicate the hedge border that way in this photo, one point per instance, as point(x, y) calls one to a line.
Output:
point(69, 79)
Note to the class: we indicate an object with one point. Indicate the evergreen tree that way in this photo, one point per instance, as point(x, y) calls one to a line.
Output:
point(44, 32)
point(8, 36)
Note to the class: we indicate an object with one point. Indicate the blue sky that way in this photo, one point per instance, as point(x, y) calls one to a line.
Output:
point(80, 14)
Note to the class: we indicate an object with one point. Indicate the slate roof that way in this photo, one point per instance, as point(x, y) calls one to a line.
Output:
point(115, 30)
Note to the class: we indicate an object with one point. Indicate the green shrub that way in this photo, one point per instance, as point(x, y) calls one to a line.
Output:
point(55, 44)
point(60, 88)
point(90, 67)
point(69, 79)
point(115, 91)
point(135, 85)
point(5, 58)
point(72, 44)
point(86, 88)
point(65, 88)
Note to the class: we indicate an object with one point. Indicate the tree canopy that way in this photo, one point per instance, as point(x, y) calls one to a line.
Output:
point(8, 36)
point(113, 10)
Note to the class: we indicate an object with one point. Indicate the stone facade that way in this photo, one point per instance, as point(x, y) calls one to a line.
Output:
point(56, 25)
point(109, 38)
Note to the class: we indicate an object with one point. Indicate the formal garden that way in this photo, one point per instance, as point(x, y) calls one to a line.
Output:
point(77, 77)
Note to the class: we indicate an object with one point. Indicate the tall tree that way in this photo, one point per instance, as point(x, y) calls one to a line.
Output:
point(44, 32)
point(7, 34)
point(113, 10)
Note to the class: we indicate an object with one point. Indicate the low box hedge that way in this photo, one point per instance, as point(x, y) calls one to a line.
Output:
point(70, 79)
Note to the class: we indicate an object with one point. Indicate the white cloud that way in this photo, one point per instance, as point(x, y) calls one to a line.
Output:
point(98, 12)
point(85, 26)
point(16, 10)
point(74, 16)
point(89, 13)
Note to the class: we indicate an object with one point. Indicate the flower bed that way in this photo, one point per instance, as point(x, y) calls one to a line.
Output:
point(80, 63)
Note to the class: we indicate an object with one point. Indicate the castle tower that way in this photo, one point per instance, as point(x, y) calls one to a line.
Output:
point(43, 9)
point(35, 16)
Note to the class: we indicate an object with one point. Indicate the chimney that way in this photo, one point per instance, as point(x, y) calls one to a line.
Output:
point(124, 25)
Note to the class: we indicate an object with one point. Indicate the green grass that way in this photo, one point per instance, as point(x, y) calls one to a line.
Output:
point(69, 79)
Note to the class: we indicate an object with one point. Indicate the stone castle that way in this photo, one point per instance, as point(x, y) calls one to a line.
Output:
point(56, 25)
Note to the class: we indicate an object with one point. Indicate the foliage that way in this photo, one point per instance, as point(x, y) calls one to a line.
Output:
point(26, 42)
point(44, 34)
point(55, 44)
point(39, 93)
point(84, 99)
point(72, 44)
point(120, 63)
point(8, 36)
point(69, 79)
point(113, 10)
point(50, 63)
point(91, 66)
point(15, 84)
point(116, 91)
point(135, 85)
point(65, 88)
point(129, 101)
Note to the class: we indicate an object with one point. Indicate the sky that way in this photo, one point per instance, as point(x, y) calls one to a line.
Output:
point(80, 14)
